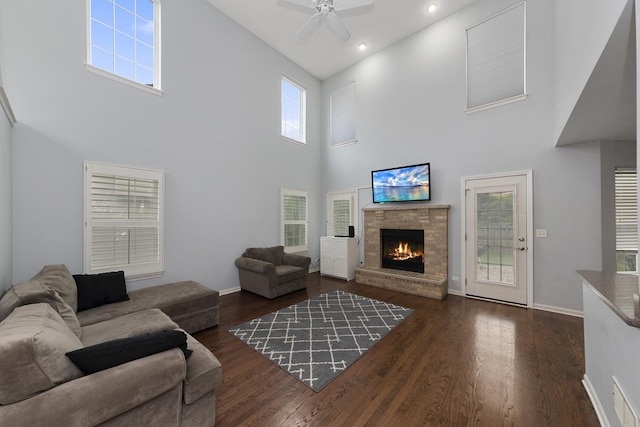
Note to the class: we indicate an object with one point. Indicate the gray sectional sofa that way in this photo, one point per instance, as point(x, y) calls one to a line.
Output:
point(41, 386)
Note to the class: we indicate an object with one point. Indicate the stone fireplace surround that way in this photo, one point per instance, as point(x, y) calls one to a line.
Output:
point(433, 219)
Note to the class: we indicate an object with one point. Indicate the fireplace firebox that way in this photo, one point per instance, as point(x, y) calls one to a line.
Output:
point(402, 249)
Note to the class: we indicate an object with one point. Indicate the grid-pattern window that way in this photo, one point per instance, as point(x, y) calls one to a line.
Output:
point(293, 111)
point(124, 39)
point(294, 206)
point(123, 220)
point(626, 200)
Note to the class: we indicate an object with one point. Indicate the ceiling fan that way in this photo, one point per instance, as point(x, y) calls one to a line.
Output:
point(326, 10)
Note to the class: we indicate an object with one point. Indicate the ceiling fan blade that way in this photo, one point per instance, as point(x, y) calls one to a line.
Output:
point(350, 4)
point(312, 24)
point(337, 26)
point(306, 3)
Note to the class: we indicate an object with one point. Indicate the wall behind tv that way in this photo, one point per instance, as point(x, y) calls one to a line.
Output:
point(215, 132)
point(411, 108)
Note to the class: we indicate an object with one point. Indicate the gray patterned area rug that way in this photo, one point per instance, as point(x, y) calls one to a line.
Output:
point(317, 339)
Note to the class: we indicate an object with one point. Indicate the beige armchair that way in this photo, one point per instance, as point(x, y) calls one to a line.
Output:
point(270, 272)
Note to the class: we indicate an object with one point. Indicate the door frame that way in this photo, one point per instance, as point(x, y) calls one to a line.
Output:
point(528, 174)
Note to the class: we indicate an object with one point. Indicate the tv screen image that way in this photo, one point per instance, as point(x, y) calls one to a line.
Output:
point(402, 184)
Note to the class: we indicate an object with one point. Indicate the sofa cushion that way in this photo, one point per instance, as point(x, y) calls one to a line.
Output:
point(95, 290)
point(204, 372)
point(273, 255)
point(108, 354)
point(58, 278)
point(34, 342)
point(33, 292)
point(128, 325)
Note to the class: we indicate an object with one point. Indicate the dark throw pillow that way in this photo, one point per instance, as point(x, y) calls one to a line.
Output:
point(95, 290)
point(113, 353)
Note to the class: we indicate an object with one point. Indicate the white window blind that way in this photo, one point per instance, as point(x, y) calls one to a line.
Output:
point(626, 199)
point(496, 58)
point(341, 217)
point(124, 39)
point(123, 220)
point(294, 214)
point(343, 114)
point(341, 212)
point(293, 111)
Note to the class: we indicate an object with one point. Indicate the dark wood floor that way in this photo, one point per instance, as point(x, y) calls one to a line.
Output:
point(457, 362)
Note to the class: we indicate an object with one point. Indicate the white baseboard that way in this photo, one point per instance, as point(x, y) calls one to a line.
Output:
point(229, 291)
point(559, 310)
point(597, 406)
point(455, 292)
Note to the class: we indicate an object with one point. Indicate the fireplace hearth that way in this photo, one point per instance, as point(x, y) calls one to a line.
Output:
point(402, 249)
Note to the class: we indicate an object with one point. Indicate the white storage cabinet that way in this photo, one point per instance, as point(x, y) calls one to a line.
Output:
point(338, 257)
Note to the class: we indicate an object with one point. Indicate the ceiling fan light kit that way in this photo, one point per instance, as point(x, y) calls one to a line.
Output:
point(327, 11)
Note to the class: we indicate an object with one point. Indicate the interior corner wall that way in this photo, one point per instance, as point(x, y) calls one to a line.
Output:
point(215, 132)
point(410, 108)
point(6, 202)
point(6, 222)
point(582, 29)
point(613, 154)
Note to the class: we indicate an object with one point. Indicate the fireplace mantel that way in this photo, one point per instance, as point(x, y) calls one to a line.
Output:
point(433, 219)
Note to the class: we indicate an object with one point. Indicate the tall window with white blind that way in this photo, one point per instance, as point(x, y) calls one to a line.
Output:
point(341, 212)
point(343, 115)
point(124, 39)
point(293, 111)
point(496, 59)
point(123, 220)
point(294, 214)
point(626, 199)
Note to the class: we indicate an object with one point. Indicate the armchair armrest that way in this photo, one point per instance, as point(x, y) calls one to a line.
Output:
point(255, 265)
point(96, 398)
point(297, 260)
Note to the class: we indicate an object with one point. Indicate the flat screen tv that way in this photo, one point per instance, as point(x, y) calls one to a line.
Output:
point(402, 184)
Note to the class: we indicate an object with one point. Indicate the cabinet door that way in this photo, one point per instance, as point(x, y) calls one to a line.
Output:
point(326, 256)
point(340, 258)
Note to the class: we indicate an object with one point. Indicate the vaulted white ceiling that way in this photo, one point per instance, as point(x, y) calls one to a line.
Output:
point(322, 54)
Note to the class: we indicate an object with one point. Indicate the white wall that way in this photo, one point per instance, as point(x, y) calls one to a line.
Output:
point(215, 132)
point(5, 203)
point(410, 108)
point(611, 350)
point(5, 191)
point(582, 29)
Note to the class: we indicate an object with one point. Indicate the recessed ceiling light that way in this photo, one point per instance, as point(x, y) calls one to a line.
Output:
point(362, 46)
point(432, 8)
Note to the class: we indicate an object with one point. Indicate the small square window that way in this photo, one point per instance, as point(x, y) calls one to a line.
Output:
point(124, 39)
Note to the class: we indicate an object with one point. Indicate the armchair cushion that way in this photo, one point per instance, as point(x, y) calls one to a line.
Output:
point(273, 255)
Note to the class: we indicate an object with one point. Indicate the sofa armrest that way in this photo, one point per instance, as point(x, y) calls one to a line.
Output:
point(298, 261)
point(255, 265)
point(96, 398)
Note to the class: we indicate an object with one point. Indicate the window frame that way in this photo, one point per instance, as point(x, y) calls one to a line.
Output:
point(284, 192)
point(352, 197)
point(302, 108)
point(155, 88)
point(133, 271)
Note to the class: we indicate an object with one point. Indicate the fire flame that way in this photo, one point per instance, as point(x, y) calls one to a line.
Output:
point(404, 252)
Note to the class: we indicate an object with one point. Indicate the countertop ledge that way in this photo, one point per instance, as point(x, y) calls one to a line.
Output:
point(616, 290)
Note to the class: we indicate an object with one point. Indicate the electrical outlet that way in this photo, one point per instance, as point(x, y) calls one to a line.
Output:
point(541, 232)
